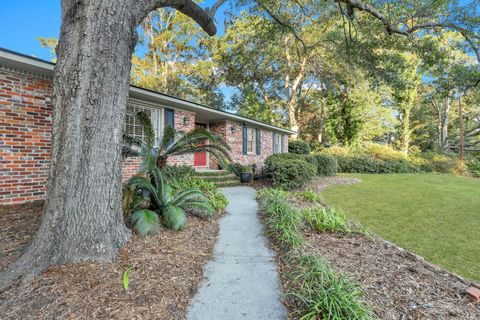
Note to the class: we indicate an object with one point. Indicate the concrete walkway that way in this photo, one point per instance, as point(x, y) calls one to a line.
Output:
point(241, 282)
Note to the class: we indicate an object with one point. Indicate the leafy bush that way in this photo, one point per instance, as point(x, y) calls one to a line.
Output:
point(164, 201)
point(235, 168)
point(298, 147)
point(272, 160)
point(216, 199)
point(320, 218)
point(177, 172)
point(474, 167)
point(324, 294)
point(291, 174)
point(326, 164)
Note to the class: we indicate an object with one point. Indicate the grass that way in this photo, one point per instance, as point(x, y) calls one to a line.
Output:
point(435, 216)
point(320, 291)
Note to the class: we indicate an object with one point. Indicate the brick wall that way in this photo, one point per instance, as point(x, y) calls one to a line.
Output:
point(25, 134)
point(25, 128)
point(186, 159)
point(235, 142)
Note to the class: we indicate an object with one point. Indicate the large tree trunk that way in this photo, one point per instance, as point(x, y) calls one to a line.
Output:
point(444, 124)
point(405, 130)
point(83, 218)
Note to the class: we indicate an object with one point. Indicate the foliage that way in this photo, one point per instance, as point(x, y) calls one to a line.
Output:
point(321, 219)
point(216, 199)
point(179, 171)
point(299, 147)
point(165, 202)
point(325, 294)
point(326, 164)
point(126, 275)
point(235, 168)
point(291, 174)
point(309, 196)
point(282, 221)
point(435, 216)
point(320, 292)
point(155, 152)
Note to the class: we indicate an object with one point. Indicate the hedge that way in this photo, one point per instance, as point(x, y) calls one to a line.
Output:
point(298, 147)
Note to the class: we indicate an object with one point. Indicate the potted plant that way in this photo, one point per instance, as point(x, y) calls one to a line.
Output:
point(246, 174)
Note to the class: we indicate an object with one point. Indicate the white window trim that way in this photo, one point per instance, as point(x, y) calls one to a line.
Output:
point(158, 115)
point(254, 141)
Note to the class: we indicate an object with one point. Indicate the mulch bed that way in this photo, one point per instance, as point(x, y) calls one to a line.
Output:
point(166, 272)
point(397, 284)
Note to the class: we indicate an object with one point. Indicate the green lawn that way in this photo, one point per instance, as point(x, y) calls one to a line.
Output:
point(437, 217)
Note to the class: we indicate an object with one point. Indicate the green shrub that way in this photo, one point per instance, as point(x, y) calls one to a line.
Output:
point(323, 293)
point(216, 199)
point(291, 174)
point(298, 147)
point(320, 219)
point(474, 167)
point(177, 172)
point(235, 168)
point(326, 164)
point(365, 164)
point(272, 160)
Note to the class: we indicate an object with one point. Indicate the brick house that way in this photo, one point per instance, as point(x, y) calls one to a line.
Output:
point(26, 119)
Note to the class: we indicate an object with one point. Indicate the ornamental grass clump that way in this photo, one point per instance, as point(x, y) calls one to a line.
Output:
point(320, 218)
point(323, 293)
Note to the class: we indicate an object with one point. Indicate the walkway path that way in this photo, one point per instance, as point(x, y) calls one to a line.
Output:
point(241, 282)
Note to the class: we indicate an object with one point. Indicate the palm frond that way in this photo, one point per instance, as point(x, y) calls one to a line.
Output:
point(147, 126)
point(174, 217)
point(145, 222)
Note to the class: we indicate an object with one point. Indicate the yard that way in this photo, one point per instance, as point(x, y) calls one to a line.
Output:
point(435, 216)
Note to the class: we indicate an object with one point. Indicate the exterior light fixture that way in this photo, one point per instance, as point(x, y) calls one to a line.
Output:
point(186, 121)
point(233, 129)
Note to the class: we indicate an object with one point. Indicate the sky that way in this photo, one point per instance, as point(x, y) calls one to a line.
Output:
point(22, 21)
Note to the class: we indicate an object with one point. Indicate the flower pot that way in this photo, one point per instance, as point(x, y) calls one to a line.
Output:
point(245, 177)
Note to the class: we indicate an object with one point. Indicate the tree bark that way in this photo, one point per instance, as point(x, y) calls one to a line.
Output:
point(461, 150)
point(83, 218)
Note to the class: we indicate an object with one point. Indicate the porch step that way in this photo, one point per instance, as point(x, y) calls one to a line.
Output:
point(221, 178)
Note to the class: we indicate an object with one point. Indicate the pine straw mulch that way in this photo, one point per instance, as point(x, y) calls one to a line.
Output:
point(397, 284)
point(167, 270)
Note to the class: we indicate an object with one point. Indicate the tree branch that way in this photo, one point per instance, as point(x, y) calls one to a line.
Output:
point(188, 7)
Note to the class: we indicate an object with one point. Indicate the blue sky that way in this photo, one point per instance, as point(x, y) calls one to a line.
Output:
point(21, 21)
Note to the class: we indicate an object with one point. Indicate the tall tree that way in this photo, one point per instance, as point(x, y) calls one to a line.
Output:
point(83, 217)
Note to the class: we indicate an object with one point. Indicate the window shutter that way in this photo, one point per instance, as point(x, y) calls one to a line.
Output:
point(170, 121)
point(283, 144)
point(258, 141)
point(170, 118)
point(244, 139)
point(273, 142)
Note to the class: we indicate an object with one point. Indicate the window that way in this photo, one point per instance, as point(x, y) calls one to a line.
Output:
point(251, 139)
point(133, 127)
point(278, 143)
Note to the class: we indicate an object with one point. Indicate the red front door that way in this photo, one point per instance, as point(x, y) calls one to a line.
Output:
point(200, 158)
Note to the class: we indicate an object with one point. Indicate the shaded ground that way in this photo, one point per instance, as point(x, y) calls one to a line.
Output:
point(397, 285)
point(321, 183)
point(167, 269)
point(18, 223)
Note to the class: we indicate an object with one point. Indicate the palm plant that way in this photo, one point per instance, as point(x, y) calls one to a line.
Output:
point(155, 152)
point(162, 202)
